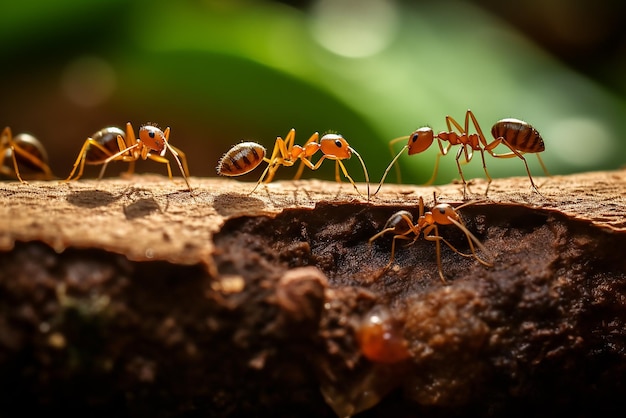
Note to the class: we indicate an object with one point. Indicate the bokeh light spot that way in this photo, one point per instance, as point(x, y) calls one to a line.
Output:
point(354, 28)
point(580, 142)
point(88, 81)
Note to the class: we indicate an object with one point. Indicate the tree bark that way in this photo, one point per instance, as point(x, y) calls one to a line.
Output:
point(134, 297)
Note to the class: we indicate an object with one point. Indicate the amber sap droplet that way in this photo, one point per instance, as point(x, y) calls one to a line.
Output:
point(380, 337)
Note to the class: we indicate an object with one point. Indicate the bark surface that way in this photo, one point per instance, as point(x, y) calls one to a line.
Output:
point(133, 297)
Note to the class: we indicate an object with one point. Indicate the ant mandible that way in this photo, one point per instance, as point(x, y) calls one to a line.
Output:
point(25, 150)
point(519, 136)
point(402, 225)
point(246, 156)
point(129, 148)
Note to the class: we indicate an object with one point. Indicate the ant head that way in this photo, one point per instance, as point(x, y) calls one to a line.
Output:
point(336, 146)
point(420, 140)
point(443, 212)
point(152, 137)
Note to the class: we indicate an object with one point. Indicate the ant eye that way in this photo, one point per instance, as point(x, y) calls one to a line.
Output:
point(414, 138)
point(151, 134)
point(338, 143)
point(443, 211)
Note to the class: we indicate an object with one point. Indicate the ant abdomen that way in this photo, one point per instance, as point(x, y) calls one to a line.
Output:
point(521, 135)
point(241, 159)
point(106, 137)
point(34, 148)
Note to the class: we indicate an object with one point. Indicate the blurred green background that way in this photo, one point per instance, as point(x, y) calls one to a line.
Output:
point(218, 72)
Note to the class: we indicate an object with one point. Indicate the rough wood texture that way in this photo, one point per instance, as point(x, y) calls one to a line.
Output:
point(131, 297)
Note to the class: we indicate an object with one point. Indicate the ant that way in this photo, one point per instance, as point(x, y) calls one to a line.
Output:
point(402, 225)
point(98, 147)
point(246, 156)
point(25, 150)
point(113, 144)
point(520, 137)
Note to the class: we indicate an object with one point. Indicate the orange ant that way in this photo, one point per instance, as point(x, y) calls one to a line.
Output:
point(519, 136)
point(98, 147)
point(112, 144)
point(25, 150)
point(246, 156)
point(402, 225)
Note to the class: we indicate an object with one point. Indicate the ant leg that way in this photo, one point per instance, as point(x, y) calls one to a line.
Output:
point(119, 156)
point(463, 131)
point(345, 173)
point(279, 156)
point(299, 172)
point(543, 166)
point(262, 177)
point(513, 153)
point(317, 165)
point(131, 168)
point(421, 207)
point(290, 139)
point(175, 153)
point(15, 167)
point(442, 151)
point(393, 248)
point(453, 248)
point(532, 183)
point(82, 155)
point(451, 121)
point(458, 164)
point(367, 177)
point(481, 137)
point(183, 158)
point(270, 162)
point(489, 179)
point(393, 242)
point(471, 239)
point(479, 130)
point(272, 166)
point(380, 234)
point(437, 238)
point(433, 176)
point(165, 161)
point(43, 166)
point(6, 142)
point(6, 133)
point(130, 137)
point(410, 228)
point(130, 140)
